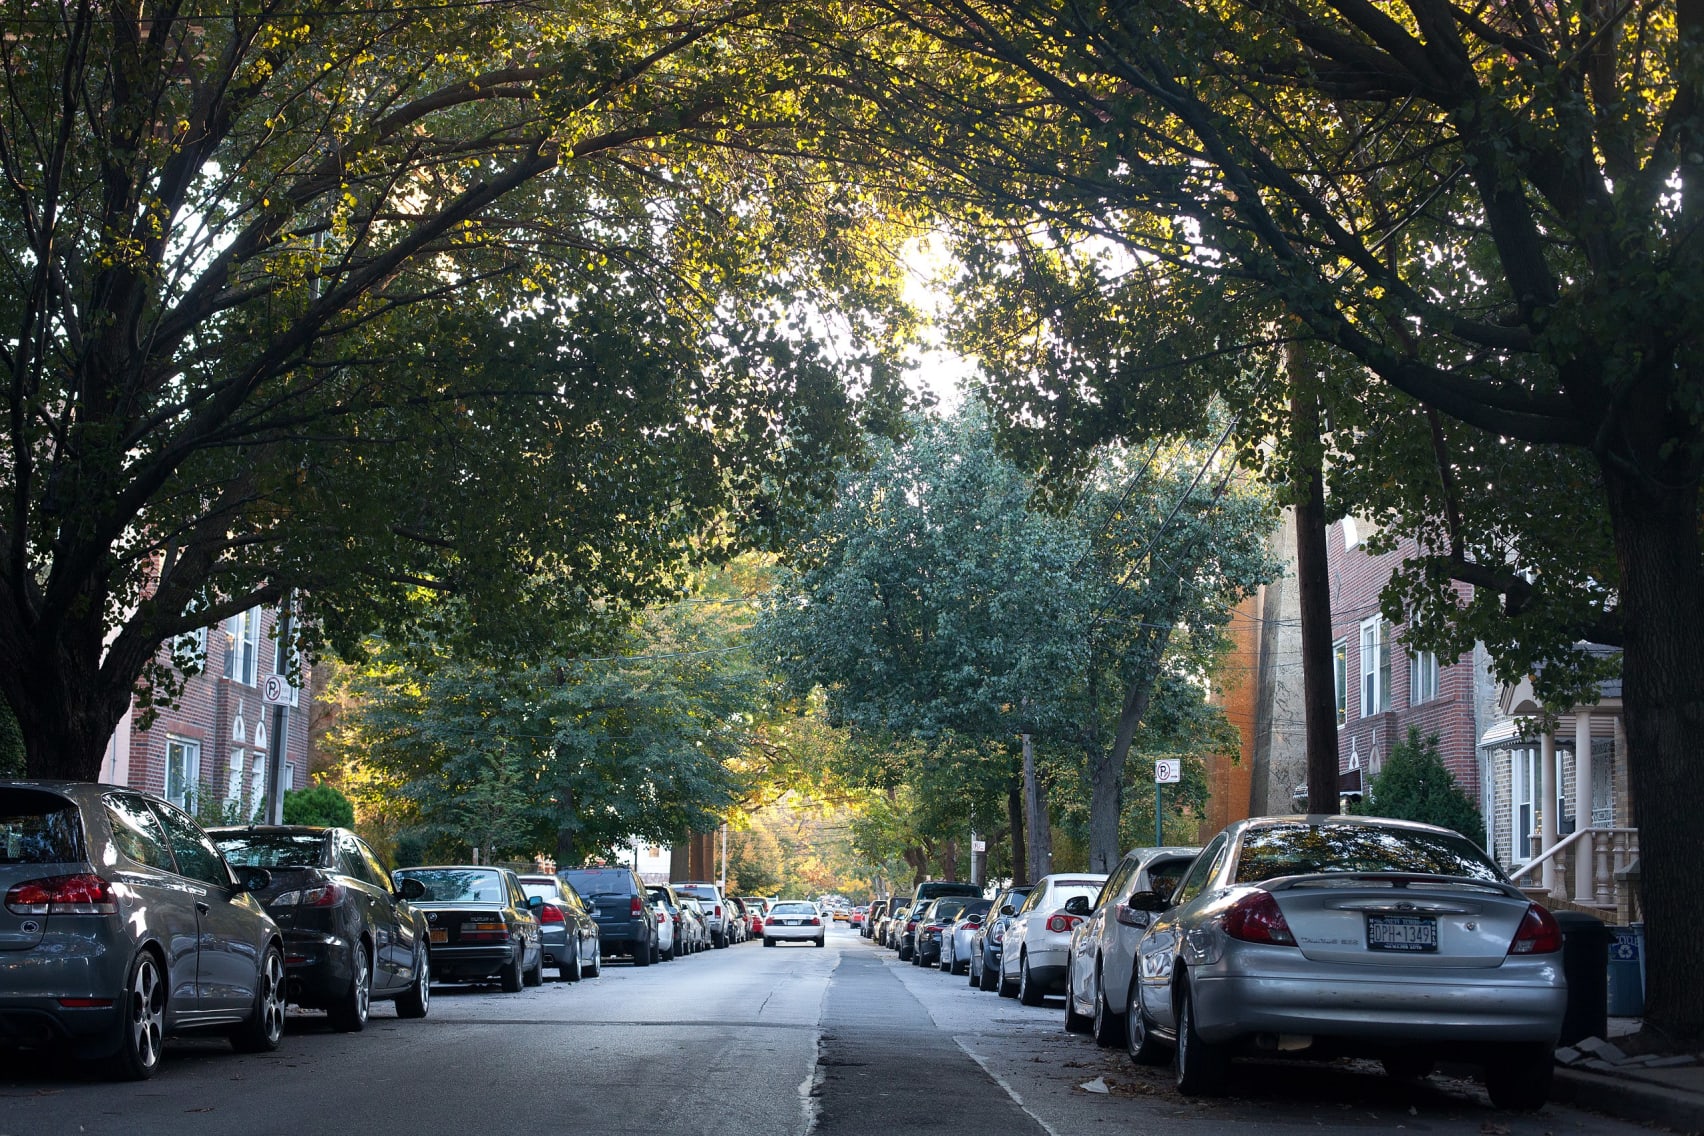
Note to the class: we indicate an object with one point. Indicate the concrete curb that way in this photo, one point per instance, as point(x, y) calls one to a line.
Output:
point(1630, 1100)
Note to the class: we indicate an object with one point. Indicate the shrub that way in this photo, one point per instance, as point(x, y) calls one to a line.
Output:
point(321, 804)
point(1414, 784)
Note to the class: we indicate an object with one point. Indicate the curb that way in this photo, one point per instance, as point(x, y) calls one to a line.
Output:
point(1630, 1100)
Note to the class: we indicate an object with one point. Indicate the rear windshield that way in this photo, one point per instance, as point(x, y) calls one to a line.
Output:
point(792, 909)
point(948, 909)
point(458, 885)
point(593, 882)
point(38, 828)
point(541, 889)
point(1063, 893)
point(273, 849)
point(1167, 874)
point(696, 891)
point(980, 907)
point(1300, 849)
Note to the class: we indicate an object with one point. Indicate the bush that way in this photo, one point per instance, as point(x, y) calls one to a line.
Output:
point(1416, 785)
point(321, 804)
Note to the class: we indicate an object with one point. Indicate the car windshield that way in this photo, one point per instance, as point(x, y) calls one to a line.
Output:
point(541, 889)
point(457, 885)
point(792, 909)
point(594, 882)
point(1301, 849)
point(273, 849)
point(1165, 875)
point(1065, 892)
point(38, 828)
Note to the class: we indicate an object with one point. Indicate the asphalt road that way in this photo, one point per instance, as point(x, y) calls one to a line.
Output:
point(738, 1042)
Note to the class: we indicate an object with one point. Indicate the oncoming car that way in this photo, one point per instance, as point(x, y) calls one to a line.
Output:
point(793, 920)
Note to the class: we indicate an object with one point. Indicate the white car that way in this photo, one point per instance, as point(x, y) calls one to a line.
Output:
point(1032, 959)
point(794, 920)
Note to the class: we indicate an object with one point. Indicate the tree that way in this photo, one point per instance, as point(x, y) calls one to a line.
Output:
point(1483, 214)
point(1415, 784)
point(320, 804)
point(515, 308)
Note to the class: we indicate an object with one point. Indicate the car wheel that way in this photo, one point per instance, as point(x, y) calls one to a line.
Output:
point(1028, 992)
point(975, 973)
point(642, 954)
point(768, 942)
point(656, 953)
point(1007, 987)
point(142, 1024)
point(417, 999)
point(1108, 1027)
point(596, 966)
point(1201, 1066)
point(1519, 1081)
point(905, 953)
point(1138, 1034)
point(822, 940)
point(349, 1013)
point(719, 940)
point(1074, 1022)
point(535, 976)
point(264, 1031)
point(512, 980)
point(989, 978)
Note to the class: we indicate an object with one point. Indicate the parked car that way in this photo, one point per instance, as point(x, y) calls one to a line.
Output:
point(709, 897)
point(756, 906)
point(873, 920)
point(697, 924)
point(932, 928)
point(1101, 963)
point(955, 944)
point(895, 927)
point(122, 925)
point(736, 922)
point(859, 915)
point(1032, 959)
point(987, 943)
point(349, 938)
point(1350, 935)
point(667, 906)
point(566, 929)
point(925, 891)
point(480, 925)
point(627, 924)
point(794, 920)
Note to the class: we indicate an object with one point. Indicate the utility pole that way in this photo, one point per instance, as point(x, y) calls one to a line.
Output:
point(280, 716)
point(1313, 589)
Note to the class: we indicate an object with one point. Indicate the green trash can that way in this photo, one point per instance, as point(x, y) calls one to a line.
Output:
point(1627, 971)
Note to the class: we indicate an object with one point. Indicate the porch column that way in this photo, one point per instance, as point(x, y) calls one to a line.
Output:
point(1547, 808)
point(1585, 890)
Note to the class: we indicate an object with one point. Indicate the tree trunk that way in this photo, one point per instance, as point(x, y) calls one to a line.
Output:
point(1106, 773)
point(1041, 831)
point(1313, 588)
point(1015, 819)
point(1662, 596)
point(949, 860)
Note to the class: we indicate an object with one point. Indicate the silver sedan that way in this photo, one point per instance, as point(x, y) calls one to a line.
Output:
point(1334, 935)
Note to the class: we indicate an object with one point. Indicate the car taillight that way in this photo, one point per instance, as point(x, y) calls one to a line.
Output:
point(551, 914)
point(328, 896)
point(1256, 918)
point(83, 894)
point(1059, 922)
point(813, 921)
point(635, 908)
point(997, 936)
point(662, 917)
point(484, 933)
point(718, 911)
point(1538, 933)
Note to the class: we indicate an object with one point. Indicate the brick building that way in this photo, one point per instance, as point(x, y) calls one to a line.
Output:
point(210, 752)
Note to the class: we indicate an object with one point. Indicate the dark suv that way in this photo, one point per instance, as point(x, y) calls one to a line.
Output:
point(621, 904)
point(926, 891)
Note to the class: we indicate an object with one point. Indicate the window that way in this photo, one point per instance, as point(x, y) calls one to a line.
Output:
point(1200, 871)
point(1375, 668)
point(1422, 677)
point(242, 632)
point(195, 854)
point(257, 783)
point(1351, 533)
point(183, 771)
point(137, 832)
point(234, 782)
point(1340, 675)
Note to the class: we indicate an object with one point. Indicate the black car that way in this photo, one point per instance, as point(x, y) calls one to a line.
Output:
point(348, 937)
point(934, 924)
point(926, 891)
point(480, 925)
point(627, 922)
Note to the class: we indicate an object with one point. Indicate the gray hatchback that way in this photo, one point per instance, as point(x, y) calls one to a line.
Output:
point(122, 925)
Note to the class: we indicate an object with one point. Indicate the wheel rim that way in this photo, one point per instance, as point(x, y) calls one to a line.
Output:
point(1185, 1020)
point(363, 984)
point(147, 1022)
point(1023, 978)
point(1135, 1028)
point(1100, 1007)
point(272, 996)
point(423, 976)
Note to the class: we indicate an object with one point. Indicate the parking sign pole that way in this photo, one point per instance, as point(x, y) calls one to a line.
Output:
point(1157, 830)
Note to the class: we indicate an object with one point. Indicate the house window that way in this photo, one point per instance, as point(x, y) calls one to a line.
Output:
point(242, 631)
point(1351, 533)
point(234, 784)
point(1375, 668)
point(257, 783)
point(183, 771)
point(1340, 675)
point(1422, 677)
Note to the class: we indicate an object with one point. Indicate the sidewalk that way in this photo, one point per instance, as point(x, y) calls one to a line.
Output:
point(1597, 1075)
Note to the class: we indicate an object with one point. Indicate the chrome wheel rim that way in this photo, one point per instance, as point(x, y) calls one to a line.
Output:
point(272, 996)
point(1135, 1028)
point(363, 984)
point(147, 1016)
point(424, 977)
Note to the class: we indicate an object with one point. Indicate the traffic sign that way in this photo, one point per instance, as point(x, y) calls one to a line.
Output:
point(276, 691)
point(1168, 771)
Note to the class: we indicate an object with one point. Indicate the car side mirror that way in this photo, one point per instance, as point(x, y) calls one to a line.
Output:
point(1077, 905)
point(411, 888)
point(1008, 909)
point(1151, 901)
point(253, 879)
point(534, 902)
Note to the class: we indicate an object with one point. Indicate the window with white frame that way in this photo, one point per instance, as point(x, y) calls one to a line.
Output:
point(1351, 533)
point(183, 771)
point(257, 783)
point(234, 782)
point(1422, 677)
point(1375, 667)
point(242, 632)
point(1340, 675)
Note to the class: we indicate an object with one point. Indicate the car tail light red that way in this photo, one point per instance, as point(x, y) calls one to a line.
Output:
point(1060, 922)
point(550, 913)
point(1256, 918)
point(813, 921)
point(484, 933)
point(718, 911)
point(82, 894)
point(329, 895)
point(635, 908)
point(1538, 933)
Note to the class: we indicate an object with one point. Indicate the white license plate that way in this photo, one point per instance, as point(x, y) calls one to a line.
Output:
point(1402, 933)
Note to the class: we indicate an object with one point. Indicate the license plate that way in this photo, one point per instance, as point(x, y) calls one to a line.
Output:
point(1402, 933)
point(439, 935)
point(789, 922)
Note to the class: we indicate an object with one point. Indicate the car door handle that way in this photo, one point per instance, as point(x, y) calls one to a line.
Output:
point(201, 906)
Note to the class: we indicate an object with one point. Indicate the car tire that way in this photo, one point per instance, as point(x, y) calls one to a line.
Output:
point(264, 1031)
point(535, 976)
point(511, 980)
point(1006, 987)
point(1201, 1066)
point(596, 965)
point(768, 942)
point(642, 954)
point(988, 978)
point(1519, 1080)
point(417, 999)
point(349, 1013)
point(975, 973)
point(1108, 1024)
point(719, 940)
point(1139, 1041)
point(1075, 1022)
point(142, 1024)
point(822, 940)
point(1028, 992)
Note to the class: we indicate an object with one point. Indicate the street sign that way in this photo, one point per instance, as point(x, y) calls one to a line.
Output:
point(1168, 771)
point(979, 845)
point(276, 691)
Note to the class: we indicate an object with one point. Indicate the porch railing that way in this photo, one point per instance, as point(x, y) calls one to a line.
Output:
point(1593, 857)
